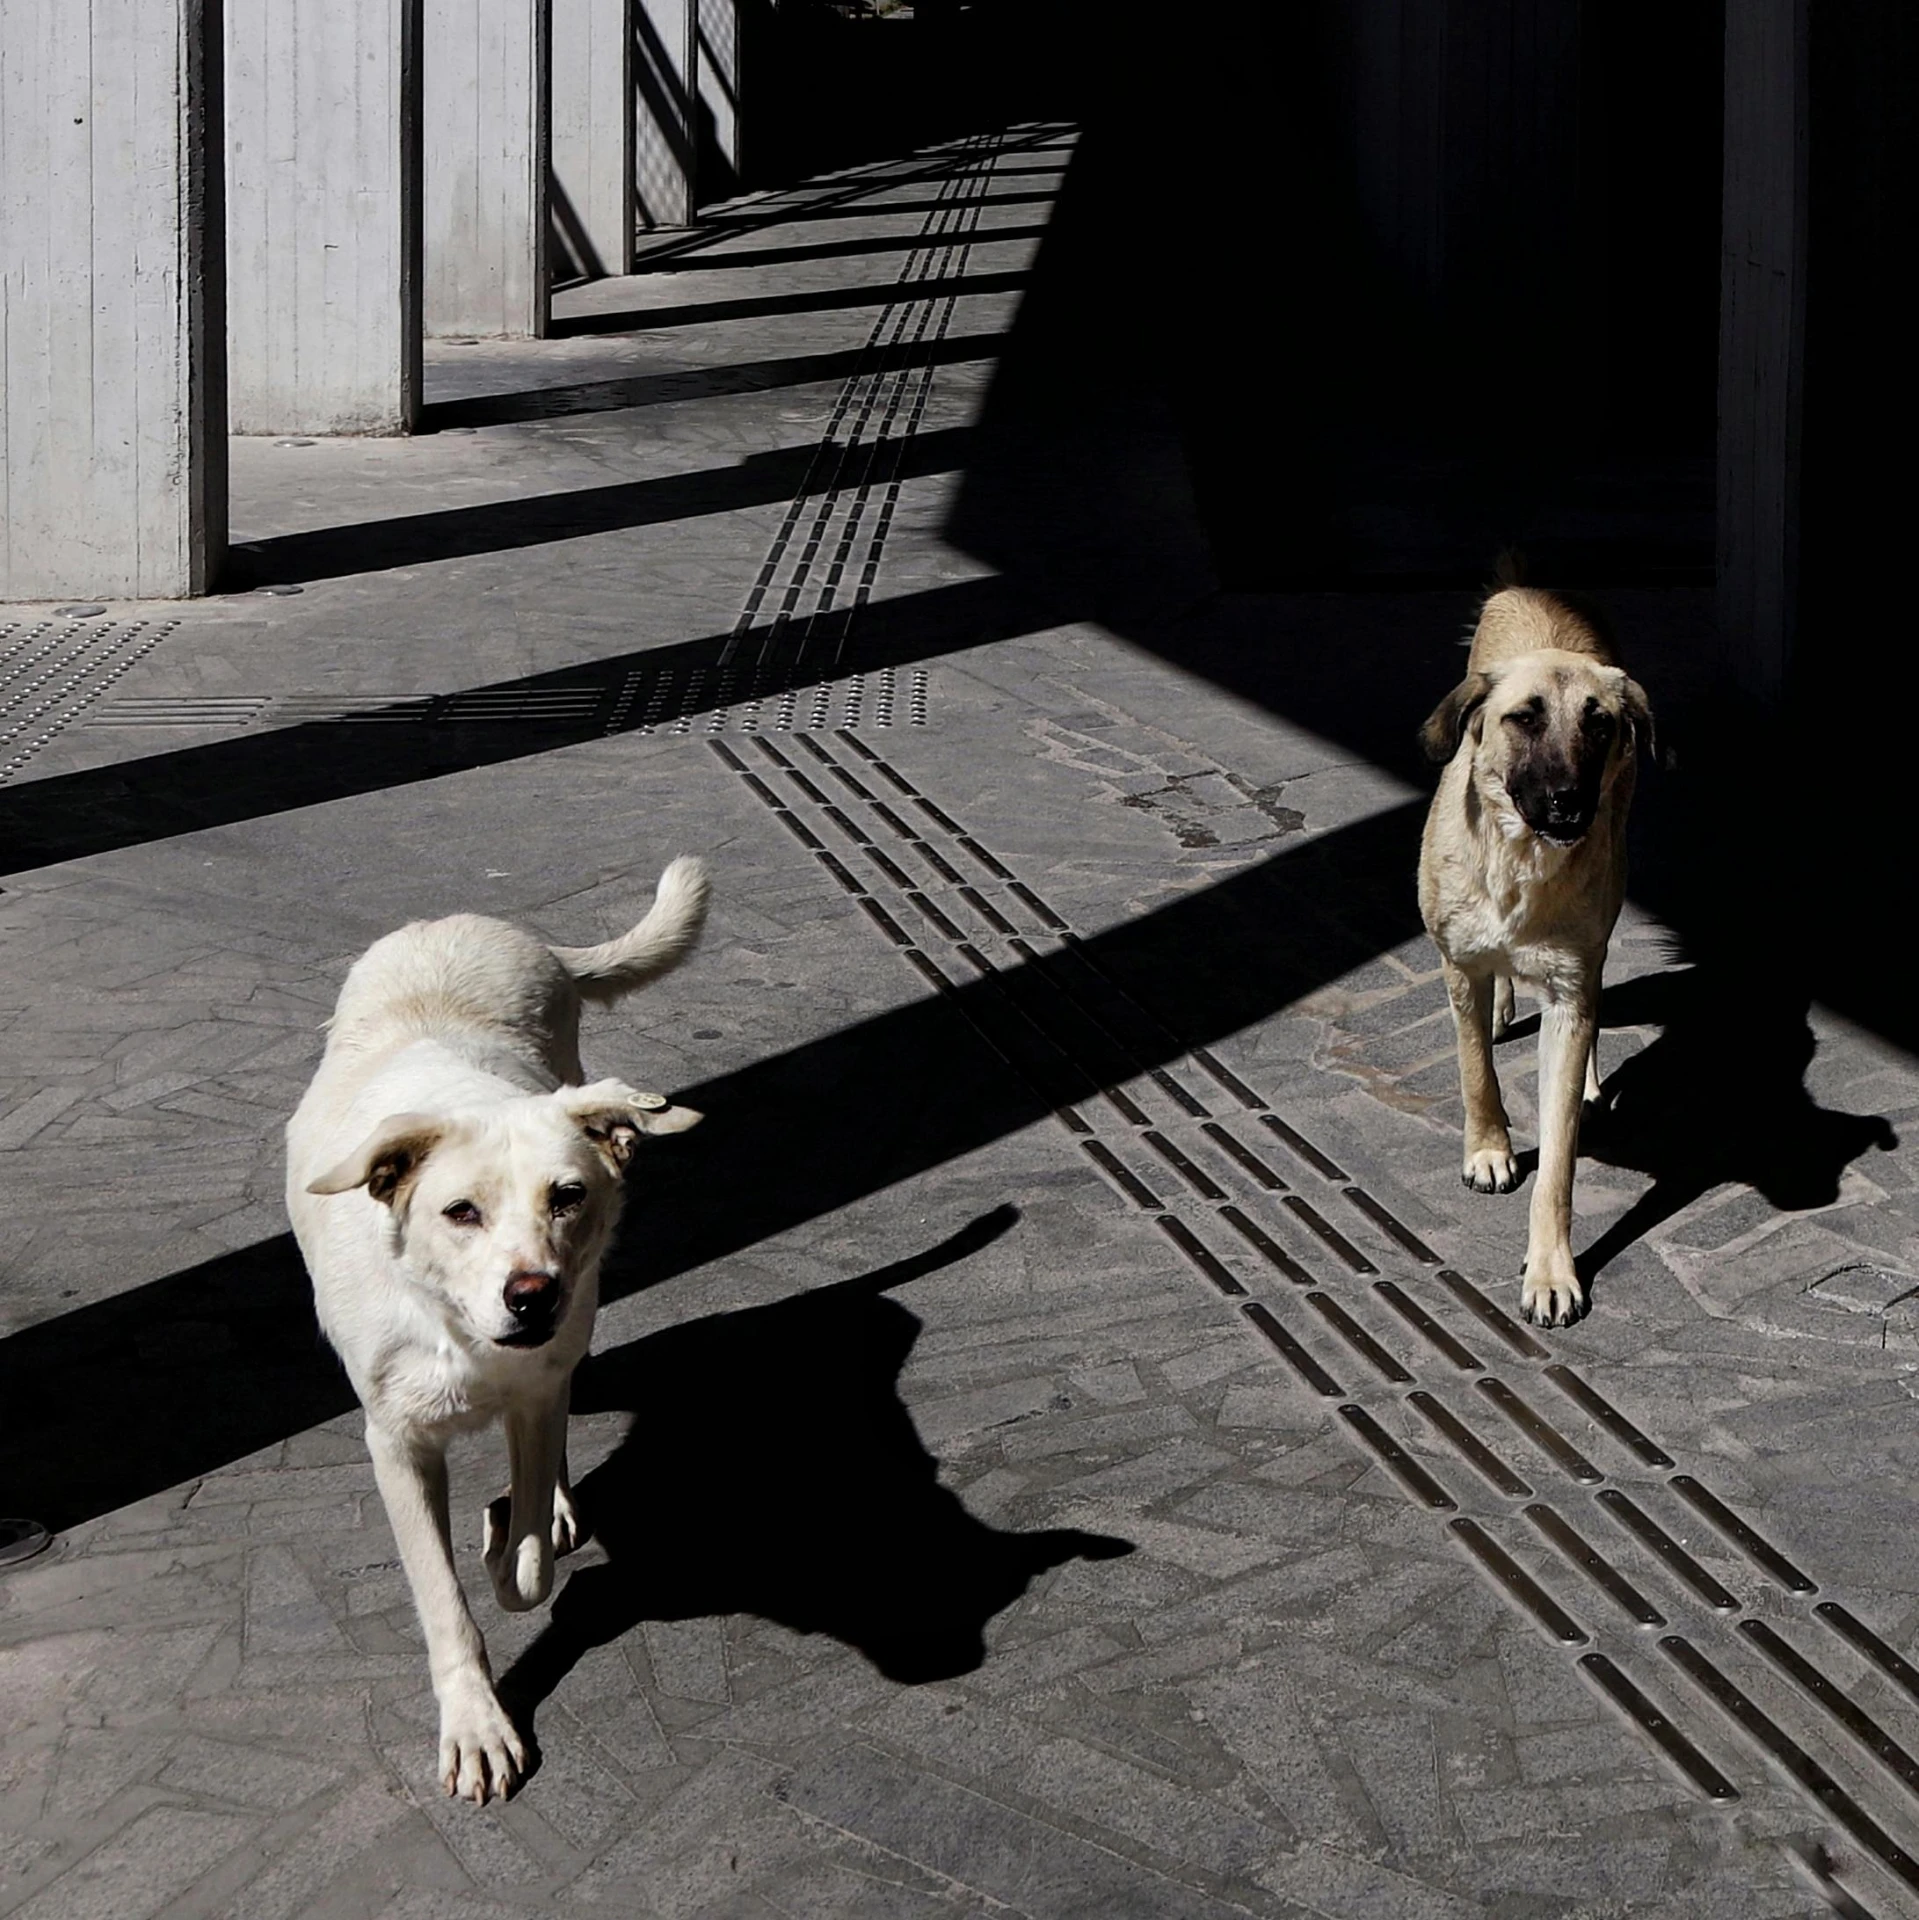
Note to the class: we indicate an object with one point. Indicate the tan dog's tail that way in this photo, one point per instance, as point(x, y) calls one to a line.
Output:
point(656, 946)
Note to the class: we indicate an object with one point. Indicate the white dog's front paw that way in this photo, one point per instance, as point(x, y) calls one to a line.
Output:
point(482, 1756)
point(1550, 1293)
point(1491, 1170)
point(520, 1580)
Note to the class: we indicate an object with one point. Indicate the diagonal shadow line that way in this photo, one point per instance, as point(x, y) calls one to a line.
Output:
point(817, 300)
point(788, 1139)
point(72, 816)
point(702, 383)
point(575, 256)
point(836, 250)
point(501, 526)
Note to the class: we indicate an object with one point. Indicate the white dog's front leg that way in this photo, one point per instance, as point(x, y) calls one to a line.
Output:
point(519, 1553)
point(1551, 1292)
point(481, 1752)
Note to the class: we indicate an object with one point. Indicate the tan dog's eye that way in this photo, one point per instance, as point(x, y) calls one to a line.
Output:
point(463, 1213)
point(1528, 719)
point(568, 1198)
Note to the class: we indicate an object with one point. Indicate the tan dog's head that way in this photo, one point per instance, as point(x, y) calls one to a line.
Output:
point(1548, 731)
point(502, 1212)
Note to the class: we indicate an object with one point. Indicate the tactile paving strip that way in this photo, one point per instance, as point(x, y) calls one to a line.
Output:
point(53, 670)
point(1427, 1375)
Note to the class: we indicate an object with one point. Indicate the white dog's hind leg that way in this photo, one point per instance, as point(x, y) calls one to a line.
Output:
point(519, 1556)
point(568, 1528)
point(481, 1752)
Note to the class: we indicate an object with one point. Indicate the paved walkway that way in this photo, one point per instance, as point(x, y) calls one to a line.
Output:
point(1058, 1445)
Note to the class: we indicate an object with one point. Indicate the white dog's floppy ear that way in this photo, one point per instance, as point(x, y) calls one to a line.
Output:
point(613, 1116)
point(387, 1159)
point(1447, 722)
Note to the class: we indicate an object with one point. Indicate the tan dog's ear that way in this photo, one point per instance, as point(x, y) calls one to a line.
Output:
point(386, 1161)
point(613, 1116)
point(1639, 716)
point(1441, 734)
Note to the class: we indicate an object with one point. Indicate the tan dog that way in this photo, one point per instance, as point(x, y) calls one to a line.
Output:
point(1521, 875)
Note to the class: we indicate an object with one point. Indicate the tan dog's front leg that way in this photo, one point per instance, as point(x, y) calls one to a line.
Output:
point(520, 1534)
point(481, 1752)
point(1551, 1292)
point(1489, 1166)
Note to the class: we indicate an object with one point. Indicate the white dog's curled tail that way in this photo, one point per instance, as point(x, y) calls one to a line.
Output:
point(656, 946)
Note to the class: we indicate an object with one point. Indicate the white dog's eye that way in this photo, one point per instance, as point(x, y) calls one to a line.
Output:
point(463, 1213)
point(565, 1198)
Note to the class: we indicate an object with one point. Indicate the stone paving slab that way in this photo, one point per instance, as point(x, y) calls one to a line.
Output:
point(962, 1546)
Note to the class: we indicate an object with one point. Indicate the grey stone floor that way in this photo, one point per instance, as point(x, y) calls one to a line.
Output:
point(963, 1544)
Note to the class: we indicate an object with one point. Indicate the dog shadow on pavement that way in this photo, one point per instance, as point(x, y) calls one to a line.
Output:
point(772, 1469)
point(1718, 1097)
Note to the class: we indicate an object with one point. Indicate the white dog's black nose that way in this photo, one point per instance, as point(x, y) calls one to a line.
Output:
point(532, 1297)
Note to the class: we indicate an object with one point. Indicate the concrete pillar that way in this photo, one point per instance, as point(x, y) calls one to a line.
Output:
point(1762, 321)
point(323, 215)
point(665, 54)
point(486, 164)
point(593, 133)
point(112, 392)
point(721, 30)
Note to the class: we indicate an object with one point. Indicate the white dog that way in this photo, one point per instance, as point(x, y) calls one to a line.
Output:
point(453, 1187)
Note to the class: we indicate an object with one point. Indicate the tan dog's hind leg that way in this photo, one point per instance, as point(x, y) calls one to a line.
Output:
point(481, 1752)
point(1550, 1292)
point(1502, 1005)
point(1489, 1165)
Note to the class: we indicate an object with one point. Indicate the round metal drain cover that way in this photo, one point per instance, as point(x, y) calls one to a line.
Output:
point(21, 1540)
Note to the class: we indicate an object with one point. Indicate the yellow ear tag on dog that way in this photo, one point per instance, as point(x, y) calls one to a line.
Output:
point(650, 1102)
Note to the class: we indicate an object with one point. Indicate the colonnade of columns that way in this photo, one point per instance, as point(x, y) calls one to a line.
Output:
point(249, 223)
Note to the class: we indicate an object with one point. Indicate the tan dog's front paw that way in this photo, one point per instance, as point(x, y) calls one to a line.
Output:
point(1550, 1293)
point(520, 1580)
point(481, 1754)
point(1491, 1170)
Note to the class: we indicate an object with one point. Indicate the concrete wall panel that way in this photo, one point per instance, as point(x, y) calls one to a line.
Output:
point(593, 133)
point(665, 157)
point(323, 227)
point(112, 399)
point(486, 162)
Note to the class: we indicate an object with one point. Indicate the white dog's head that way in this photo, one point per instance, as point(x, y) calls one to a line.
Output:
point(502, 1212)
